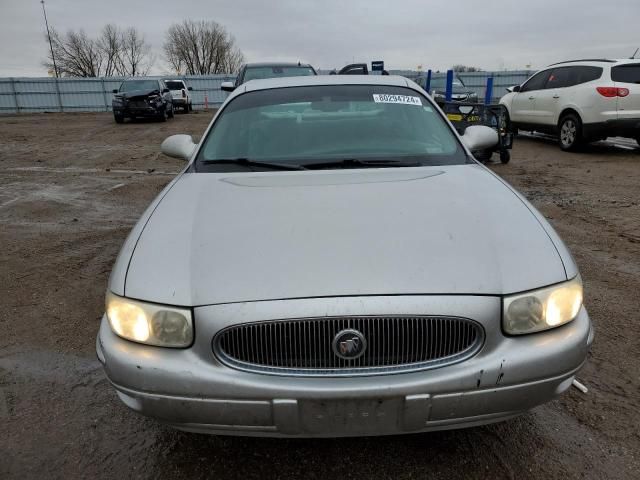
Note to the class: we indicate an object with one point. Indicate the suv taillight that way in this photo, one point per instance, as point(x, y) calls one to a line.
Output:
point(184, 94)
point(610, 92)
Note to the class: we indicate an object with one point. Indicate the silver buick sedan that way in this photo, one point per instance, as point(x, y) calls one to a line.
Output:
point(333, 261)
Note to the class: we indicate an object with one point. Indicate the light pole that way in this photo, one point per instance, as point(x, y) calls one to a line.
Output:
point(53, 57)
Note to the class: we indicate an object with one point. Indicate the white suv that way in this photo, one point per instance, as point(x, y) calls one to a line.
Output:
point(180, 93)
point(579, 101)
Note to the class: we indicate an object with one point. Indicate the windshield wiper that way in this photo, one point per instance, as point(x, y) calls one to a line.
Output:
point(360, 163)
point(246, 162)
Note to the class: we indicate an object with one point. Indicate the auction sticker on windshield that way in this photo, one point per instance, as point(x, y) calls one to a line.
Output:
point(404, 99)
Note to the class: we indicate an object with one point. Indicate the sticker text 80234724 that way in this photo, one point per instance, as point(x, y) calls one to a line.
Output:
point(403, 99)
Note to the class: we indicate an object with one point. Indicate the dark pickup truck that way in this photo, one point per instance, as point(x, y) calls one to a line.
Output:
point(142, 98)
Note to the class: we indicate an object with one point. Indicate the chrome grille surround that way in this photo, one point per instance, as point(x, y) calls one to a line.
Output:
point(303, 346)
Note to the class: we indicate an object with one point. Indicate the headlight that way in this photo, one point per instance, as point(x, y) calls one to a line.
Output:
point(149, 323)
point(117, 101)
point(542, 309)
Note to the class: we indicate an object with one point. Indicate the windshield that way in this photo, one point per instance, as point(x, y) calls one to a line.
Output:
point(131, 85)
point(174, 85)
point(258, 73)
point(314, 124)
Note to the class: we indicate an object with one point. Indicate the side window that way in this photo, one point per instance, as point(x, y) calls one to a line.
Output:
point(562, 77)
point(240, 77)
point(588, 74)
point(537, 82)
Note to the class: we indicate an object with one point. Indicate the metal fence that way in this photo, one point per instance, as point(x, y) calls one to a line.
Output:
point(477, 81)
point(29, 95)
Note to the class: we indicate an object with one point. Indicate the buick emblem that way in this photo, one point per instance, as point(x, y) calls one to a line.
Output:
point(349, 344)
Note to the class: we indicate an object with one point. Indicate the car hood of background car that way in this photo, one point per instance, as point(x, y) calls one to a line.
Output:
point(233, 237)
point(138, 93)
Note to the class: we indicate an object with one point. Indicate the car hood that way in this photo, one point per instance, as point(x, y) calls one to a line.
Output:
point(138, 93)
point(232, 237)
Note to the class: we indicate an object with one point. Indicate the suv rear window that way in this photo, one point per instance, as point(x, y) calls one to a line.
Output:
point(174, 85)
point(626, 73)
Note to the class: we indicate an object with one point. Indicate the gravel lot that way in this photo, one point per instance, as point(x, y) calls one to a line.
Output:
point(71, 187)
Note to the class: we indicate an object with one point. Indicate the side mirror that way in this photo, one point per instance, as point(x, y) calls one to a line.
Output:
point(516, 88)
point(165, 90)
point(178, 146)
point(479, 137)
point(189, 88)
point(227, 86)
point(115, 90)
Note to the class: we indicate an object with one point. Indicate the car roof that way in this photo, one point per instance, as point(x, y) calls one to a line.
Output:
point(588, 61)
point(277, 64)
point(311, 80)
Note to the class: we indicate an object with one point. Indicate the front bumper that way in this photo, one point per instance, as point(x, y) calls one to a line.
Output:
point(150, 111)
point(191, 390)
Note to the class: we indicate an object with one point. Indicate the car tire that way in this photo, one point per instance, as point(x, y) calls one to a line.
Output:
point(638, 140)
point(163, 115)
point(570, 132)
point(483, 155)
point(505, 156)
point(189, 108)
point(118, 118)
point(170, 113)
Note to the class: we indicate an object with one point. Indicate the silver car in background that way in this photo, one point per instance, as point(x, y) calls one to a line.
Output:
point(334, 262)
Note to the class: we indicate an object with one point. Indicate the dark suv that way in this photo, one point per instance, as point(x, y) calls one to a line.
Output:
point(259, 71)
point(142, 97)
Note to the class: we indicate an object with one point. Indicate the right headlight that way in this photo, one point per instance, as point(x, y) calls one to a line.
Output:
point(149, 323)
point(542, 309)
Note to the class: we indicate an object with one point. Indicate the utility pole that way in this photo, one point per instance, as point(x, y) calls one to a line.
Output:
point(53, 57)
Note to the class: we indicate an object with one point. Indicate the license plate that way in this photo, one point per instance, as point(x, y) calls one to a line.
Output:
point(350, 416)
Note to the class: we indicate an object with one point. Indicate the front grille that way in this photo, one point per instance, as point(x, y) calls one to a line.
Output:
point(308, 346)
point(138, 104)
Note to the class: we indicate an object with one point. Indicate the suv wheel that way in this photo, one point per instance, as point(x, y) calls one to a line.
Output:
point(118, 118)
point(569, 132)
point(170, 113)
point(638, 140)
point(163, 114)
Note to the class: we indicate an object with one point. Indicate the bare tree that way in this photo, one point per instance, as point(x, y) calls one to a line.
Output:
point(465, 68)
point(76, 54)
point(110, 46)
point(203, 47)
point(114, 52)
point(135, 58)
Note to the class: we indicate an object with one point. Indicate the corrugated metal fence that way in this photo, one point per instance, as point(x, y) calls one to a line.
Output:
point(477, 81)
point(29, 95)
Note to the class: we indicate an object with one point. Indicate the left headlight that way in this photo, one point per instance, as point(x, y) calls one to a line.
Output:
point(542, 309)
point(149, 323)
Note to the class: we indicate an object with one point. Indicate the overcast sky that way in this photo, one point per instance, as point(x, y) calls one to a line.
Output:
point(493, 35)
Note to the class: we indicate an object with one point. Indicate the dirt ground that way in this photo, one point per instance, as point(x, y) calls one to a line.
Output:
point(71, 187)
